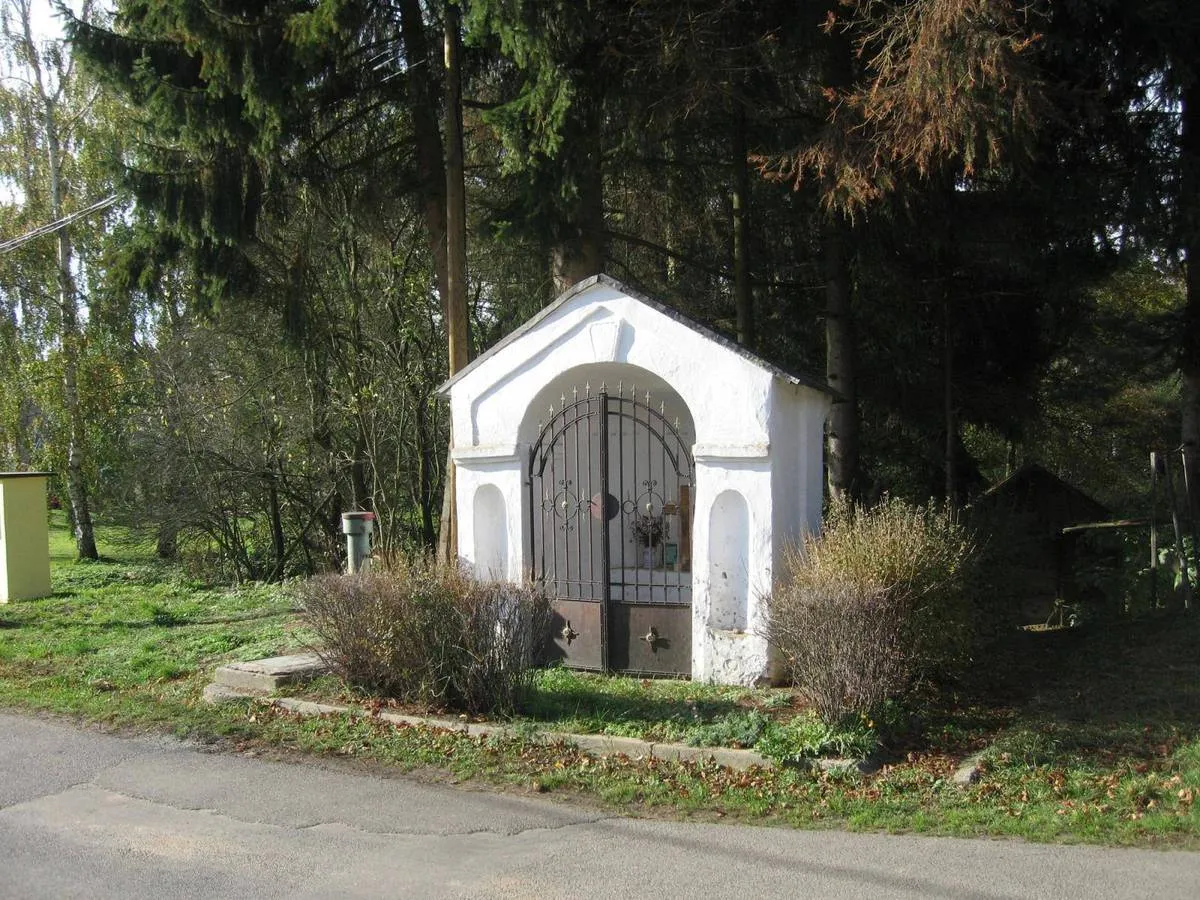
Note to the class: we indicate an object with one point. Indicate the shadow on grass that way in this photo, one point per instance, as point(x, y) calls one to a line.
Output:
point(572, 697)
point(1112, 690)
point(159, 617)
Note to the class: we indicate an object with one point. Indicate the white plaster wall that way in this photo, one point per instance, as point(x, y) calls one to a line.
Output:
point(490, 534)
point(507, 476)
point(745, 421)
point(728, 396)
point(729, 562)
point(786, 481)
point(797, 427)
point(797, 475)
point(728, 657)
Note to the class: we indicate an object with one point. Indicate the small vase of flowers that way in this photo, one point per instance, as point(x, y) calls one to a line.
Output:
point(648, 533)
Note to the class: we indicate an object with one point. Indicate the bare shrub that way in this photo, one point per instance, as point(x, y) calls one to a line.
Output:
point(428, 634)
point(872, 605)
point(843, 647)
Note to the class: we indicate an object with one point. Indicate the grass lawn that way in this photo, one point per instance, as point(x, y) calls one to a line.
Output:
point(1091, 737)
point(129, 639)
point(660, 710)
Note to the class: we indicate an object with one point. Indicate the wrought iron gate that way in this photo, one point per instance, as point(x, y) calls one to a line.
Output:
point(610, 491)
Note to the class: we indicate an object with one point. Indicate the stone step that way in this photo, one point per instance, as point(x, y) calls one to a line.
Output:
point(217, 694)
point(268, 675)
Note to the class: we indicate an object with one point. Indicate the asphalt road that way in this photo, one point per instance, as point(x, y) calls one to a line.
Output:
point(91, 815)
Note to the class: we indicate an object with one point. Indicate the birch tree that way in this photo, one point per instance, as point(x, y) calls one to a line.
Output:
point(47, 109)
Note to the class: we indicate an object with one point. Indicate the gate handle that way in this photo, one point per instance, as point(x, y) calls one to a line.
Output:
point(651, 637)
point(569, 634)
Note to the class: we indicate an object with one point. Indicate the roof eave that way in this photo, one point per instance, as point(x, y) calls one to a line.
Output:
point(443, 390)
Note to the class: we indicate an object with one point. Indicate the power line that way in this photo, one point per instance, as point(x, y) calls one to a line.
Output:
point(52, 227)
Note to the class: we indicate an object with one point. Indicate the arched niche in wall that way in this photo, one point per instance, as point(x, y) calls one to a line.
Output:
point(491, 534)
point(729, 562)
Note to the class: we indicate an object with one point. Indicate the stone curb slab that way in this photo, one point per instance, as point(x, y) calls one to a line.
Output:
point(307, 707)
point(968, 771)
point(264, 676)
point(401, 719)
point(267, 675)
point(722, 756)
point(221, 693)
point(596, 744)
point(604, 744)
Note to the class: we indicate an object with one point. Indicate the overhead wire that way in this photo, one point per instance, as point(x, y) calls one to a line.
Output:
point(51, 227)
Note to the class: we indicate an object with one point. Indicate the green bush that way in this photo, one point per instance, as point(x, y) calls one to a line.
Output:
point(806, 737)
point(873, 605)
point(740, 729)
point(429, 634)
point(1115, 567)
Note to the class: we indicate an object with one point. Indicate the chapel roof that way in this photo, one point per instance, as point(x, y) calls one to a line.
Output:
point(674, 314)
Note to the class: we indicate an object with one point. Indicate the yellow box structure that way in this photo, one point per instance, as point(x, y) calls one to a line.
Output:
point(24, 536)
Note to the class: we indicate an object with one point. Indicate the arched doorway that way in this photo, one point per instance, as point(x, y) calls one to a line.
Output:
point(611, 499)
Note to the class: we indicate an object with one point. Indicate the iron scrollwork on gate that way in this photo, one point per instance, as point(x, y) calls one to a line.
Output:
point(610, 490)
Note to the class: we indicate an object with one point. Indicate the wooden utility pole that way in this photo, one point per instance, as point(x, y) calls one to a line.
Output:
point(456, 258)
point(743, 292)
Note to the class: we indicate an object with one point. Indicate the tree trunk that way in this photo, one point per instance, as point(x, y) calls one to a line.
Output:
point(77, 491)
point(167, 544)
point(424, 108)
point(1189, 356)
point(425, 453)
point(320, 416)
point(456, 202)
point(360, 476)
point(278, 542)
point(25, 423)
point(840, 346)
point(950, 422)
point(676, 185)
point(842, 464)
point(743, 292)
point(579, 252)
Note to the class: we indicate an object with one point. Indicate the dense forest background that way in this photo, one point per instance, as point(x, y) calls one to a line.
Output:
point(975, 217)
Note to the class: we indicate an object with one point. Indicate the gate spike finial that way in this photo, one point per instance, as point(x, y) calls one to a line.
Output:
point(677, 423)
point(633, 391)
point(587, 389)
point(562, 401)
point(647, 398)
point(662, 408)
point(620, 387)
point(574, 393)
point(603, 387)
